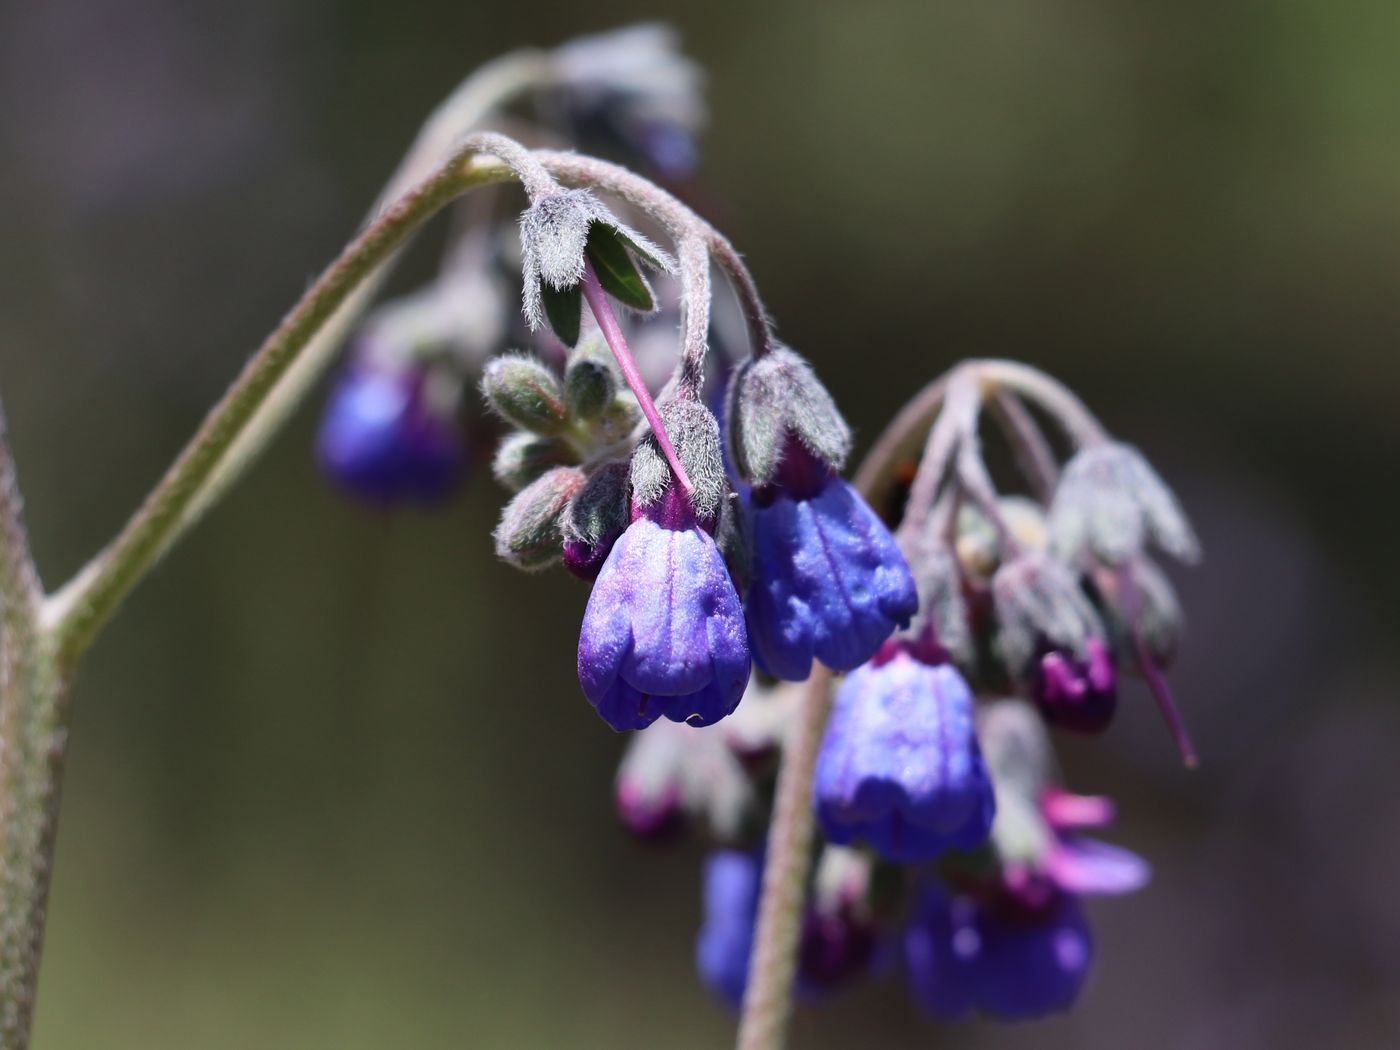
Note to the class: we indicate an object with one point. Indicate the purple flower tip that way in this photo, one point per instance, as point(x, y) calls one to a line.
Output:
point(732, 883)
point(1080, 695)
point(829, 581)
point(836, 947)
point(380, 441)
point(585, 560)
point(663, 633)
point(900, 766)
point(996, 956)
point(652, 816)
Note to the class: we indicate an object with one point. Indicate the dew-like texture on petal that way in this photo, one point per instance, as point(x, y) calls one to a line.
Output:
point(732, 883)
point(663, 633)
point(828, 582)
point(963, 956)
point(377, 441)
point(900, 767)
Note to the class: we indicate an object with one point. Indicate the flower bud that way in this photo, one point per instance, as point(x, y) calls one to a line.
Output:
point(521, 457)
point(695, 435)
point(1039, 602)
point(528, 536)
point(522, 391)
point(1020, 761)
point(1139, 599)
point(941, 628)
point(1081, 695)
point(595, 518)
point(773, 398)
point(1109, 503)
point(590, 382)
point(673, 772)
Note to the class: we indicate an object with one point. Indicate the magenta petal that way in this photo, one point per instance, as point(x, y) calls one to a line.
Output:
point(1088, 867)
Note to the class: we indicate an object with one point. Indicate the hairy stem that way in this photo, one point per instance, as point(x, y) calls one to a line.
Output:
point(612, 334)
point(1081, 426)
point(1033, 453)
point(695, 318)
point(773, 965)
point(78, 611)
point(31, 753)
point(900, 440)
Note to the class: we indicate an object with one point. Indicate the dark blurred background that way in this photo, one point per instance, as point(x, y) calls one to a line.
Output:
point(332, 783)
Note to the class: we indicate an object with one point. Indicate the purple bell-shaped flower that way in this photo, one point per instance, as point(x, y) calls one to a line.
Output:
point(829, 582)
point(732, 883)
point(998, 956)
point(837, 946)
point(900, 767)
point(663, 633)
point(384, 440)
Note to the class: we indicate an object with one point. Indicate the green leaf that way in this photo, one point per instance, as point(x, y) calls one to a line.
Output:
point(563, 307)
point(616, 272)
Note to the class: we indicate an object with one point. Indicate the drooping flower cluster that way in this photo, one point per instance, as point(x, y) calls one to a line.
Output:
point(935, 780)
point(725, 551)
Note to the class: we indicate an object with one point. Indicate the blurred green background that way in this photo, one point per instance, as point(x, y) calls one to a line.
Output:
point(332, 783)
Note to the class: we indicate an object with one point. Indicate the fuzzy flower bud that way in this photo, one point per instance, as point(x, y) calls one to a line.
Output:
point(1081, 695)
point(1110, 502)
point(941, 628)
point(1139, 600)
point(590, 382)
point(900, 766)
point(672, 772)
point(596, 518)
point(528, 536)
point(772, 399)
point(522, 391)
point(1039, 603)
point(521, 457)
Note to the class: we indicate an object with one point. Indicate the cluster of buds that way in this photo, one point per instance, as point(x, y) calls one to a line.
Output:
point(728, 558)
point(396, 429)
